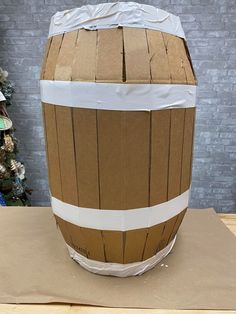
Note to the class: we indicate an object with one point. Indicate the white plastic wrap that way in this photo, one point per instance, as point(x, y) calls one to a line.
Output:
point(112, 15)
point(120, 270)
point(120, 220)
point(110, 96)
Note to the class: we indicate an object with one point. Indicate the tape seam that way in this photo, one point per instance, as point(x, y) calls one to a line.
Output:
point(120, 220)
point(113, 96)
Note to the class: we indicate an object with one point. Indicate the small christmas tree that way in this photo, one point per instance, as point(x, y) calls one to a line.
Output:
point(13, 189)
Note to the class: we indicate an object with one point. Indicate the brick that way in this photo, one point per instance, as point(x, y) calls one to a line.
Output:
point(4, 17)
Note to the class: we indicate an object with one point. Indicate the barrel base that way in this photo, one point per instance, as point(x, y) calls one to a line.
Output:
point(120, 270)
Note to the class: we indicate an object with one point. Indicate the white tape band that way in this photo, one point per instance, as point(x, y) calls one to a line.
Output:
point(113, 15)
point(112, 96)
point(120, 220)
point(120, 270)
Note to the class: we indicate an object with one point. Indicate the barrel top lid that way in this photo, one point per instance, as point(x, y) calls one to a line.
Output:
point(113, 15)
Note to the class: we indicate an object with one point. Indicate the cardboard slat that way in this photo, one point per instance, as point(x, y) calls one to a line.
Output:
point(153, 240)
point(137, 65)
point(51, 124)
point(124, 161)
point(67, 154)
point(65, 127)
point(137, 158)
point(190, 77)
point(187, 149)
point(94, 244)
point(160, 72)
point(177, 224)
point(160, 135)
point(85, 138)
point(173, 47)
point(109, 55)
point(45, 56)
point(52, 57)
point(85, 241)
point(52, 150)
point(113, 242)
point(190, 62)
point(111, 159)
point(111, 174)
point(65, 58)
point(85, 56)
point(134, 245)
point(137, 181)
point(89, 242)
point(62, 224)
point(175, 154)
point(78, 239)
point(167, 231)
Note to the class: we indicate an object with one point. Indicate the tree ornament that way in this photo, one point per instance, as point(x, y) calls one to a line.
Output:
point(3, 172)
point(3, 75)
point(18, 188)
point(2, 154)
point(13, 165)
point(5, 123)
point(2, 200)
point(2, 97)
point(18, 168)
point(7, 88)
point(8, 143)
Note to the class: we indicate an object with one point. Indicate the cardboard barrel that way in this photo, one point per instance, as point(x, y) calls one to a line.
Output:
point(118, 106)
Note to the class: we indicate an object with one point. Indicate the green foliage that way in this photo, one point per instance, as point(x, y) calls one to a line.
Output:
point(7, 88)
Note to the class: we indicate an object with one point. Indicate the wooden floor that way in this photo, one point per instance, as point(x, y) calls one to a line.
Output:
point(228, 219)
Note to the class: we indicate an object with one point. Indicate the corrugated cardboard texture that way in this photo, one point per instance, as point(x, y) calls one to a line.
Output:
point(109, 55)
point(175, 151)
point(36, 268)
point(113, 159)
point(159, 151)
point(86, 148)
point(131, 55)
point(84, 61)
point(159, 64)
point(189, 120)
point(63, 70)
point(119, 160)
point(137, 63)
point(124, 247)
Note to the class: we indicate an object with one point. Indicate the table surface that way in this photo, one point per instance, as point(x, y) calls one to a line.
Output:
point(228, 219)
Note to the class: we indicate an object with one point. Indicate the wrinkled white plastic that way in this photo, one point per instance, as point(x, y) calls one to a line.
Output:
point(112, 15)
point(112, 96)
point(120, 220)
point(120, 270)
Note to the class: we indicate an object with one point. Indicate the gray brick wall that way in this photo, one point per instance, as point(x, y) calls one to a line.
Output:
point(210, 27)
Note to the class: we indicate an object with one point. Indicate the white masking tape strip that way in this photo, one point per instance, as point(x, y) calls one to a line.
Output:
point(120, 220)
point(120, 270)
point(113, 15)
point(112, 96)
